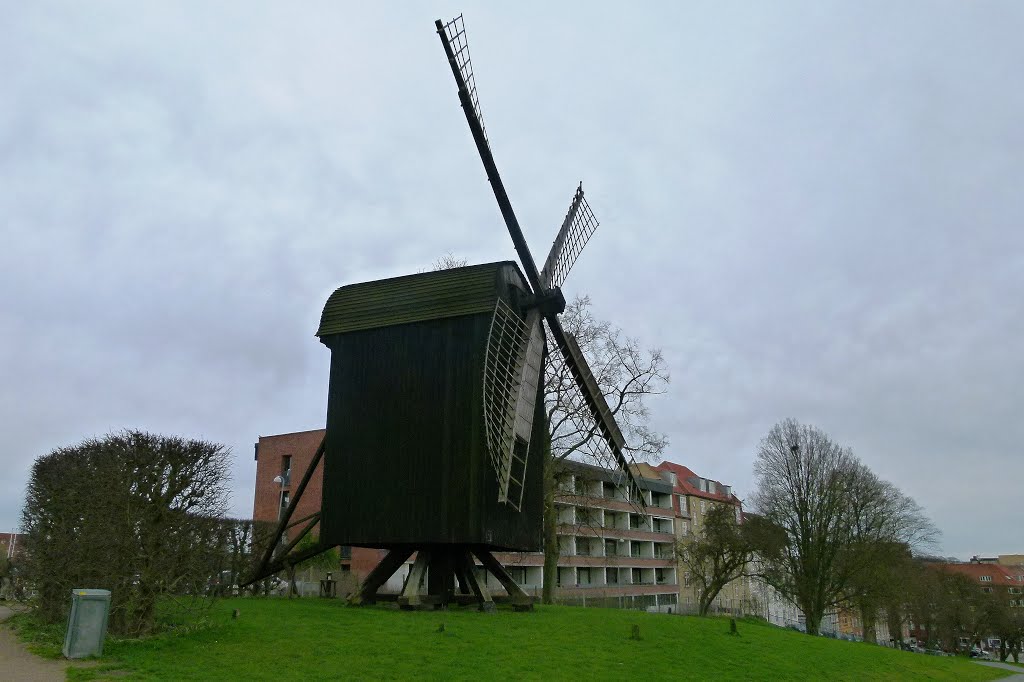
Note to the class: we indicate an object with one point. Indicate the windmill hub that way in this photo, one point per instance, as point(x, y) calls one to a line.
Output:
point(551, 302)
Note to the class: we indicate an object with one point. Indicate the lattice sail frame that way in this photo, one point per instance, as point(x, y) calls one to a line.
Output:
point(577, 228)
point(456, 32)
point(512, 370)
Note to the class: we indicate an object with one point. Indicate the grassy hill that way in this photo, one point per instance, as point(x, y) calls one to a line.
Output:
point(312, 639)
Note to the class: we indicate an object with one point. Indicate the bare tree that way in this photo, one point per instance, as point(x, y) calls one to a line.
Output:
point(801, 474)
point(448, 262)
point(717, 555)
point(626, 375)
point(838, 518)
point(886, 525)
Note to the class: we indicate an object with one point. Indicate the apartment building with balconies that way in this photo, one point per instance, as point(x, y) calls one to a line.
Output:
point(612, 550)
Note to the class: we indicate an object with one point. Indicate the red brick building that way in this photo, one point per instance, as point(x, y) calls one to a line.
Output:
point(288, 456)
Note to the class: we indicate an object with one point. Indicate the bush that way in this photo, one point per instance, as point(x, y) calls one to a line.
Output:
point(135, 513)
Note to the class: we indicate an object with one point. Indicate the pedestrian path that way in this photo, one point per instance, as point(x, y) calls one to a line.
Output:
point(16, 663)
point(1019, 677)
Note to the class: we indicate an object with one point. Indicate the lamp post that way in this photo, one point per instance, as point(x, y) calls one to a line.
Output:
point(279, 480)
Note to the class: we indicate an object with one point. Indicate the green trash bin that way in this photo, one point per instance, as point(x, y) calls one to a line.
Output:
point(87, 625)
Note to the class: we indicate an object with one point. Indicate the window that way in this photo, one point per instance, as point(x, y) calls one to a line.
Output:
point(703, 506)
point(611, 548)
point(659, 575)
point(985, 578)
point(286, 469)
point(564, 576)
point(1014, 590)
point(682, 504)
point(987, 590)
point(686, 580)
point(612, 576)
point(583, 576)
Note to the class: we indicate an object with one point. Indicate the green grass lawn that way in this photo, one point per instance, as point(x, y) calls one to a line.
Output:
point(312, 639)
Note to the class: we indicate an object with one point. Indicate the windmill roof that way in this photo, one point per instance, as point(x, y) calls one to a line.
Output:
point(415, 298)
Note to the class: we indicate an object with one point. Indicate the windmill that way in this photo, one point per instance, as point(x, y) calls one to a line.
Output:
point(435, 419)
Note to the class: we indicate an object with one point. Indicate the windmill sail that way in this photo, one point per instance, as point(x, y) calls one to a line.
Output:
point(512, 371)
point(577, 228)
point(455, 31)
point(471, 108)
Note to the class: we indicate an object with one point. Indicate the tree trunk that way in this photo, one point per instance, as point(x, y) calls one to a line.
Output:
point(550, 529)
point(812, 619)
point(895, 625)
point(867, 623)
point(703, 603)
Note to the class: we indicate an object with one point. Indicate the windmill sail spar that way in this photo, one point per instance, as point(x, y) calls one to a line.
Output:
point(592, 395)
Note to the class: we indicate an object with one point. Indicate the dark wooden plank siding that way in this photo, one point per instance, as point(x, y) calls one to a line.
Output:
point(395, 471)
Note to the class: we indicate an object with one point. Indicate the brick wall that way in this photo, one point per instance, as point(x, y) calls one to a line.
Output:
point(270, 453)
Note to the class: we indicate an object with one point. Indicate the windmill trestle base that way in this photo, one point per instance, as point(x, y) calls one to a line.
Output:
point(443, 575)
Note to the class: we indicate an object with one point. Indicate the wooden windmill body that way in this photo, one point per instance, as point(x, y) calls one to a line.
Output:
point(407, 459)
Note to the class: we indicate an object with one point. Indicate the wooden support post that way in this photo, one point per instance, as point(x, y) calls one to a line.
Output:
point(519, 599)
point(391, 562)
point(441, 574)
point(411, 597)
point(465, 569)
point(431, 580)
point(262, 571)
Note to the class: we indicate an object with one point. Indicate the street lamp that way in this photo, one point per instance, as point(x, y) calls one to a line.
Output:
point(279, 480)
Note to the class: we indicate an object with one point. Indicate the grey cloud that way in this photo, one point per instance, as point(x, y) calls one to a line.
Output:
point(812, 207)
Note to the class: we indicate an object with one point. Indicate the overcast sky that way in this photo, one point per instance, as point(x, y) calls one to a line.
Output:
point(813, 208)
